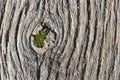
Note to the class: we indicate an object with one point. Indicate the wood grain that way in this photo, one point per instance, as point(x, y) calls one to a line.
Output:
point(85, 40)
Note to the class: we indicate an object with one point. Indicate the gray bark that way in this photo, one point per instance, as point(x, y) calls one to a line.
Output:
point(85, 35)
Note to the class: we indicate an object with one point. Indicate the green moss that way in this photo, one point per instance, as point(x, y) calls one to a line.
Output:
point(40, 37)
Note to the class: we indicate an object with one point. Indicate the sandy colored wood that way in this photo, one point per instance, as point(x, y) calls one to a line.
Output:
point(84, 43)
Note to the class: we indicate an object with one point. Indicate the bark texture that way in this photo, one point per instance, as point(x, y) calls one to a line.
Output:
point(85, 33)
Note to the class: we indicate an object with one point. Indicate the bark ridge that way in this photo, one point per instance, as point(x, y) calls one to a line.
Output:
point(84, 42)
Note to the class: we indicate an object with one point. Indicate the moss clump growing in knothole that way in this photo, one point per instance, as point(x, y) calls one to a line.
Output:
point(40, 37)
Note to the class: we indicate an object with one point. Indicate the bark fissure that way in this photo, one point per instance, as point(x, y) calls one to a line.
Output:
point(84, 54)
point(94, 39)
point(84, 63)
point(16, 33)
point(83, 43)
point(100, 56)
point(26, 7)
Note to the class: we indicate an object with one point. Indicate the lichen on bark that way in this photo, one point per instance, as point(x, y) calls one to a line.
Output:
point(40, 37)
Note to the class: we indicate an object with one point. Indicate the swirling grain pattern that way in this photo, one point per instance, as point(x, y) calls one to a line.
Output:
point(84, 42)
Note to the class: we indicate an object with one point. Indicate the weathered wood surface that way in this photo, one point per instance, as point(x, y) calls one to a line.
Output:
point(86, 34)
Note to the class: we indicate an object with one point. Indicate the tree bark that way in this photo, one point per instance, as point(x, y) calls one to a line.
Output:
point(84, 42)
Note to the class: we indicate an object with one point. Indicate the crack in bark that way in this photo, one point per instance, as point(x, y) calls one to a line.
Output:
point(87, 39)
point(67, 19)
